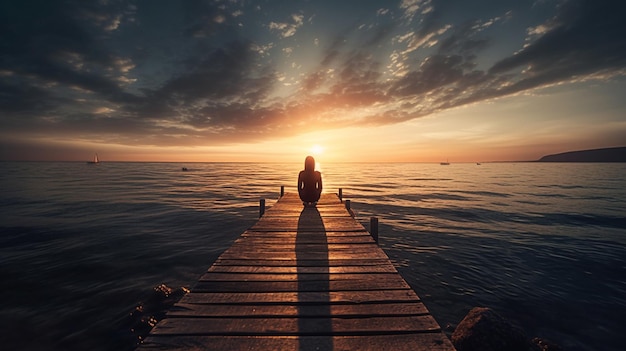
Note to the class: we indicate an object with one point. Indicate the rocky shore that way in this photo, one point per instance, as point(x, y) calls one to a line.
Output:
point(483, 329)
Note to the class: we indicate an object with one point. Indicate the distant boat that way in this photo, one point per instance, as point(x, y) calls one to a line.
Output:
point(447, 163)
point(477, 163)
point(95, 160)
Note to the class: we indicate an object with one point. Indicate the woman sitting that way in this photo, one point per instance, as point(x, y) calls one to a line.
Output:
point(309, 183)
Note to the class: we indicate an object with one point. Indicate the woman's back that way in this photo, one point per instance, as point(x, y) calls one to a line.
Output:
point(309, 182)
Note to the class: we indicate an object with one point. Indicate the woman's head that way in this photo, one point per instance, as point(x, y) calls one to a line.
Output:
point(309, 164)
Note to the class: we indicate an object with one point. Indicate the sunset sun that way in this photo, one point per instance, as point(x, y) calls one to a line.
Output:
point(316, 150)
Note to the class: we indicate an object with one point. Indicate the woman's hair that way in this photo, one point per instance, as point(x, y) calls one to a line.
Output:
point(309, 164)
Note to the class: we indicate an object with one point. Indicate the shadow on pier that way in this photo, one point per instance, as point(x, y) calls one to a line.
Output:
point(314, 279)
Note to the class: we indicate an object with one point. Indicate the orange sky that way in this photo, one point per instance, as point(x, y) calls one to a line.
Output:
point(408, 81)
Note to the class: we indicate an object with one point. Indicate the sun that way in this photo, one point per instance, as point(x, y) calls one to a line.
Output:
point(317, 149)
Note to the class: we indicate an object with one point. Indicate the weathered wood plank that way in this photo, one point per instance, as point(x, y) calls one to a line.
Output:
point(304, 248)
point(400, 342)
point(275, 262)
point(313, 254)
point(223, 268)
point(285, 310)
point(295, 277)
point(286, 255)
point(302, 235)
point(290, 238)
point(299, 286)
point(359, 297)
point(295, 326)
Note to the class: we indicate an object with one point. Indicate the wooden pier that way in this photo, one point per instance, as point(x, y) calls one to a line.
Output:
point(301, 278)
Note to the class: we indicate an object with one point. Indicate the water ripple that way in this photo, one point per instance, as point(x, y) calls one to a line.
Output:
point(543, 244)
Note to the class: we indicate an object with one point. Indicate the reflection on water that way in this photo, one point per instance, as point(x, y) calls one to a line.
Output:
point(543, 244)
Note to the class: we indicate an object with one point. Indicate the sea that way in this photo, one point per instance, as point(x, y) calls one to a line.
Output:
point(542, 244)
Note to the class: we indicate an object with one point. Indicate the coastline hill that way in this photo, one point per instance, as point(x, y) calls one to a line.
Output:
point(614, 154)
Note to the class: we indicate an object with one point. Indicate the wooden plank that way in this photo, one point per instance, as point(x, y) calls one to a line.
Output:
point(344, 297)
point(304, 248)
point(303, 233)
point(295, 277)
point(222, 268)
point(290, 255)
point(300, 286)
point(399, 342)
point(295, 326)
point(286, 310)
point(270, 262)
point(286, 223)
point(256, 238)
point(302, 256)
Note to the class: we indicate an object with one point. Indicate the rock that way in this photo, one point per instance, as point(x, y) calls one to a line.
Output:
point(546, 345)
point(484, 330)
point(147, 314)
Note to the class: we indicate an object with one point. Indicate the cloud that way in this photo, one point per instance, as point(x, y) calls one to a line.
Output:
point(223, 74)
point(204, 19)
point(465, 39)
point(288, 29)
point(17, 98)
point(74, 69)
point(57, 48)
point(584, 37)
point(412, 8)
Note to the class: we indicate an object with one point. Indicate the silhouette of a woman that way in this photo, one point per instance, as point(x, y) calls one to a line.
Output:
point(309, 183)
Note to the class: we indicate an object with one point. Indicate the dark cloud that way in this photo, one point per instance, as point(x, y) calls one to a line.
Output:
point(18, 98)
point(585, 36)
point(220, 92)
point(92, 69)
point(435, 72)
point(202, 18)
point(464, 40)
point(223, 74)
point(48, 43)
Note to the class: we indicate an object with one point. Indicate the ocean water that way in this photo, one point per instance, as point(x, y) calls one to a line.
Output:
point(543, 244)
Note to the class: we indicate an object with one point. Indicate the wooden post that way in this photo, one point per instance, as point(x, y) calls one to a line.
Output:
point(374, 228)
point(261, 208)
point(341, 194)
point(348, 205)
point(282, 190)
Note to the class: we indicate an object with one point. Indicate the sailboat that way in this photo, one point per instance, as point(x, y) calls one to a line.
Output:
point(95, 160)
point(445, 163)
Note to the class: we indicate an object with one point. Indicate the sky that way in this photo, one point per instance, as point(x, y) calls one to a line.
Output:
point(343, 80)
